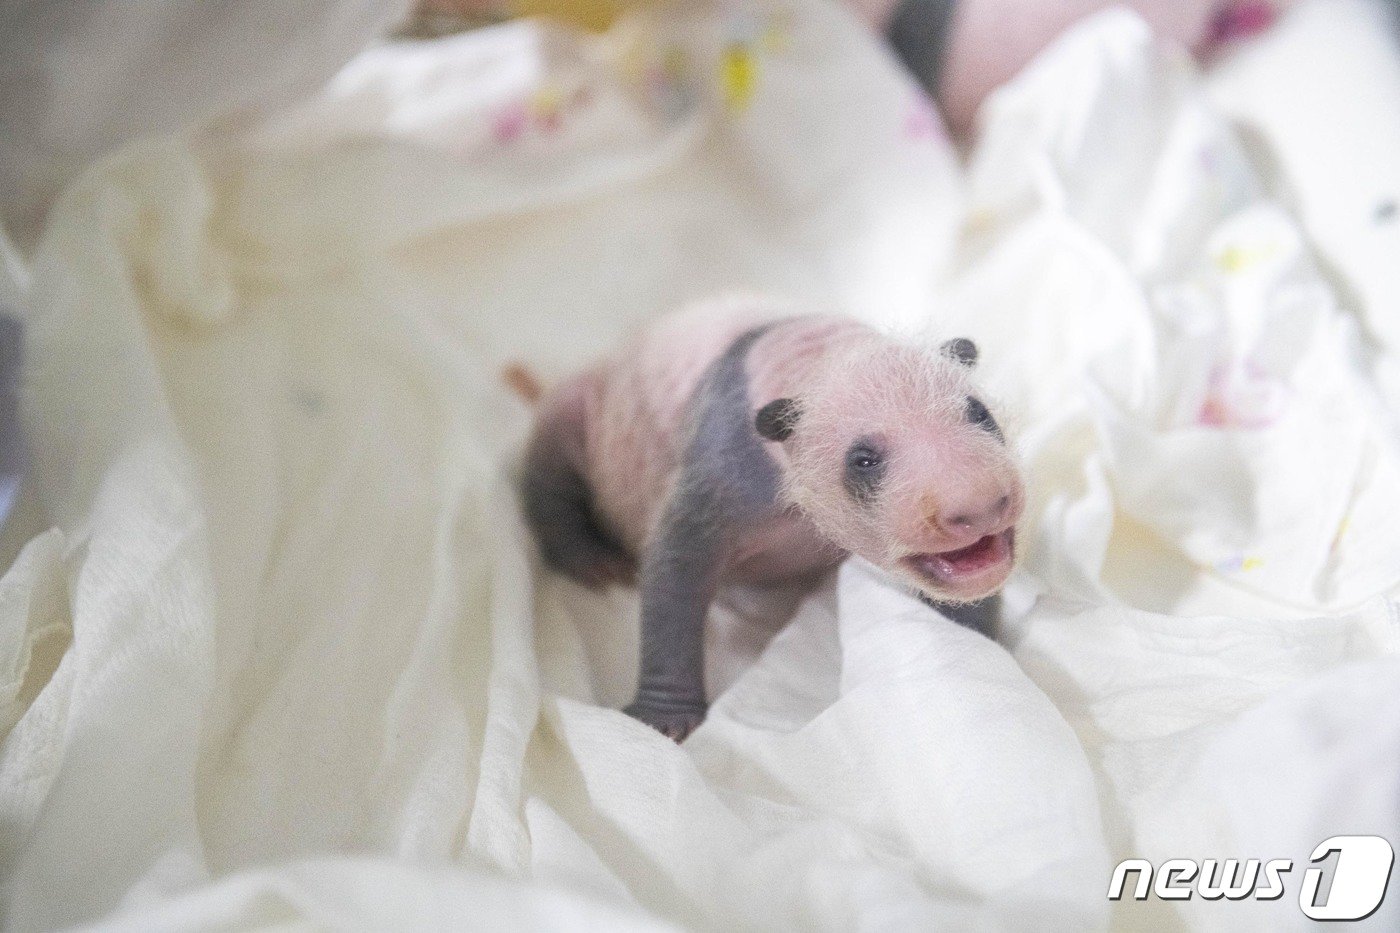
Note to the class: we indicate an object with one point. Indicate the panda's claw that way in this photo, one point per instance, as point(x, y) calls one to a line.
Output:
point(674, 722)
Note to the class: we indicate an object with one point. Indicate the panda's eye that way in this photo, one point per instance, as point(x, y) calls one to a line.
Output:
point(978, 414)
point(865, 468)
point(863, 458)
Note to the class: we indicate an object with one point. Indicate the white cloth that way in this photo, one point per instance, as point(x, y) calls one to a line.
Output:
point(81, 79)
point(313, 675)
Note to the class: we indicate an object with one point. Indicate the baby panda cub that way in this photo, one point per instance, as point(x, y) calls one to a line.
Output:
point(730, 443)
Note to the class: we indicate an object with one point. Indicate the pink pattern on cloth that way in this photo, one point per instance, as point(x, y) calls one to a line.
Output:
point(544, 111)
point(1240, 20)
point(509, 123)
point(1242, 397)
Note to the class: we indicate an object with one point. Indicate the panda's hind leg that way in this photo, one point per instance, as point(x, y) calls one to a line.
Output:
point(559, 505)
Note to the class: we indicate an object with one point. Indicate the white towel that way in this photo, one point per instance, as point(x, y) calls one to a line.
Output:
point(315, 676)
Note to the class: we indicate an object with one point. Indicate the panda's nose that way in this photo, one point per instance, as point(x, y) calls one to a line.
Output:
point(968, 520)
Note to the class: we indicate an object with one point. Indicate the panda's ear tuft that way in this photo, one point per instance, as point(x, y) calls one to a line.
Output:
point(776, 420)
point(962, 350)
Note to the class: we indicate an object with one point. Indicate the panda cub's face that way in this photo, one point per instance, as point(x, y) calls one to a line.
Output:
point(895, 456)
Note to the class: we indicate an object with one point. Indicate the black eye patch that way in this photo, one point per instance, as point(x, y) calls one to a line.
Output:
point(978, 414)
point(864, 471)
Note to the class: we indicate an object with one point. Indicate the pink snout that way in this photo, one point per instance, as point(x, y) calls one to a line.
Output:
point(952, 523)
point(964, 547)
point(981, 519)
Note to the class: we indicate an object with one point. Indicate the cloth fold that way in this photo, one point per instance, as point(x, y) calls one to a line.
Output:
point(314, 675)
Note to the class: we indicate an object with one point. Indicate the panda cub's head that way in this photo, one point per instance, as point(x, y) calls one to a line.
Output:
point(894, 455)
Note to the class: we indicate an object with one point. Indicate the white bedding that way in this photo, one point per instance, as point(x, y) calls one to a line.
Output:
point(315, 680)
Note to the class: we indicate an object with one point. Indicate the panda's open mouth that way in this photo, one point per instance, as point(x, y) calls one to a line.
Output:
point(988, 557)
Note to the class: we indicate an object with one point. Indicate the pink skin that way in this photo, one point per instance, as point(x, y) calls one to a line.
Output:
point(730, 443)
point(944, 521)
point(952, 494)
point(989, 41)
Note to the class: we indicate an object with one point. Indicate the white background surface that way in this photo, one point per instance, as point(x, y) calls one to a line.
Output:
point(313, 676)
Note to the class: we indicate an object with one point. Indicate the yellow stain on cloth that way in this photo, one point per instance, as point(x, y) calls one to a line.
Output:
point(738, 76)
point(1239, 258)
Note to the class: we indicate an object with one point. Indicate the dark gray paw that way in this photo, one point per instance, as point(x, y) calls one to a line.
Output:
point(673, 720)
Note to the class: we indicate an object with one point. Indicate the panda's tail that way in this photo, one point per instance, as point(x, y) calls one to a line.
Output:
point(521, 380)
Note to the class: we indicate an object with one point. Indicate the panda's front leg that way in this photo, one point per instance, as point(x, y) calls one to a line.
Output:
point(679, 576)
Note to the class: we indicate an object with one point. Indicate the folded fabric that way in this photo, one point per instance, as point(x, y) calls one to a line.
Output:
point(287, 656)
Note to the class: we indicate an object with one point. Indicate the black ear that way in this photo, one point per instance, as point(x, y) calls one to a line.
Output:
point(776, 420)
point(962, 350)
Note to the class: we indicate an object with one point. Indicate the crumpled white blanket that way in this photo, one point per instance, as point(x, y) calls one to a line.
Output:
point(285, 660)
